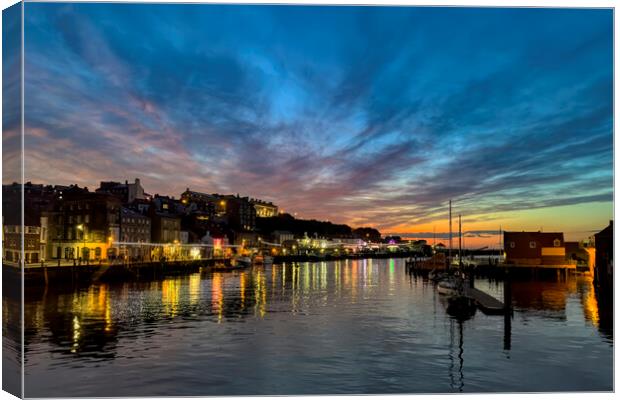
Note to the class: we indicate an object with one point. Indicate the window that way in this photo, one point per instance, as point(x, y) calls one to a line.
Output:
point(532, 245)
point(556, 243)
point(87, 218)
point(512, 245)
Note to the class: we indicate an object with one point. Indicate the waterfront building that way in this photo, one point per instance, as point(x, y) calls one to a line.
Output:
point(82, 225)
point(126, 192)
point(218, 245)
point(135, 228)
point(165, 213)
point(200, 214)
point(246, 239)
point(264, 209)
point(353, 244)
point(165, 228)
point(282, 236)
point(604, 243)
point(34, 249)
point(184, 237)
point(535, 249)
point(37, 199)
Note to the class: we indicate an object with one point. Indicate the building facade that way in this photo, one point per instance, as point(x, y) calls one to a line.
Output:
point(126, 192)
point(264, 209)
point(82, 225)
point(240, 213)
point(535, 248)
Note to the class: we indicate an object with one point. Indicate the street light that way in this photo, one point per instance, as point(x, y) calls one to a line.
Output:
point(80, 227)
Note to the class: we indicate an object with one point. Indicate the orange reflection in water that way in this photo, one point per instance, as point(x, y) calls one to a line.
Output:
point(590, 303)
point(543, 295)
point(217, 294)
point(170, 289)
point(195, 288)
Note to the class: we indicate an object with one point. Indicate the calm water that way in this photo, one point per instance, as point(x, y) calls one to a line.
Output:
point(362, 326)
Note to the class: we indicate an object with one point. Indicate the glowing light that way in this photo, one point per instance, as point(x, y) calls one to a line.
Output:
point(195, 253)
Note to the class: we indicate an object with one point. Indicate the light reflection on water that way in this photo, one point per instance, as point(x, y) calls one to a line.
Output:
point(352, 326)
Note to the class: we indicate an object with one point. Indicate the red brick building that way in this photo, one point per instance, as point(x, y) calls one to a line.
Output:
point(535, 248)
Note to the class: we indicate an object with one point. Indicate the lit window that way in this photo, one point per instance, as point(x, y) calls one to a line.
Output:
point(556, 243)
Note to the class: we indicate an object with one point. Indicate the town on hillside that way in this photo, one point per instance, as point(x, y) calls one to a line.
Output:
point(121, 222)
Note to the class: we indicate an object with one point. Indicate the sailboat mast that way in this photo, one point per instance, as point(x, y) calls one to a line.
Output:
point(450, 237)
point(460, 243)
point(500, 242)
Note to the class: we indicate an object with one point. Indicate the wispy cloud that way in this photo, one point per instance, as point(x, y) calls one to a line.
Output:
point(369, 116)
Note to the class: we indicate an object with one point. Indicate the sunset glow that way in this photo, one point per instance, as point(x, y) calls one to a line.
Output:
point(364, 116)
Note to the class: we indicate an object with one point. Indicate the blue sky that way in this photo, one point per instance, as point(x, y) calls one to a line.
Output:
point(362, 115)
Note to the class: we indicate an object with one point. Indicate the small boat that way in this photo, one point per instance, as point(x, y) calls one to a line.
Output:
point(447, 287)
point(450, 286)
point(262, 259)
point(241, 261)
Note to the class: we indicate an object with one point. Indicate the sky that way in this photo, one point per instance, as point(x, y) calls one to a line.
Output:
point(370, 116)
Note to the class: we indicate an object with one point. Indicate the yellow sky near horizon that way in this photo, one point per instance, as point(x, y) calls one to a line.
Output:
point(577, 222)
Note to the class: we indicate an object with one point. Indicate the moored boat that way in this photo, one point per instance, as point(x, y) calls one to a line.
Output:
point(262, 259)
point(241, 261)
point(447, 287)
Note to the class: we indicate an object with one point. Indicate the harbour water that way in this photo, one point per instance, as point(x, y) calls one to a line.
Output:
point(351, 326)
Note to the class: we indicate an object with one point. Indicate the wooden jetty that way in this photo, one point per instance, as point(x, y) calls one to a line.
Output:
point(487, 303)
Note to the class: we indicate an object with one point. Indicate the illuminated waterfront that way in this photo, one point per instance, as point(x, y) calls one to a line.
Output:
point(351, 326)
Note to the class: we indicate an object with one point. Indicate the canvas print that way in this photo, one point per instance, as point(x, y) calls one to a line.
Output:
point(204, 199)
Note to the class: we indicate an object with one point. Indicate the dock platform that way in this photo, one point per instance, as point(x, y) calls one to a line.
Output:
point(487, 303)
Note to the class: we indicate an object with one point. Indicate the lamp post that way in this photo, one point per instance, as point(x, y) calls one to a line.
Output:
point(80, 227)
